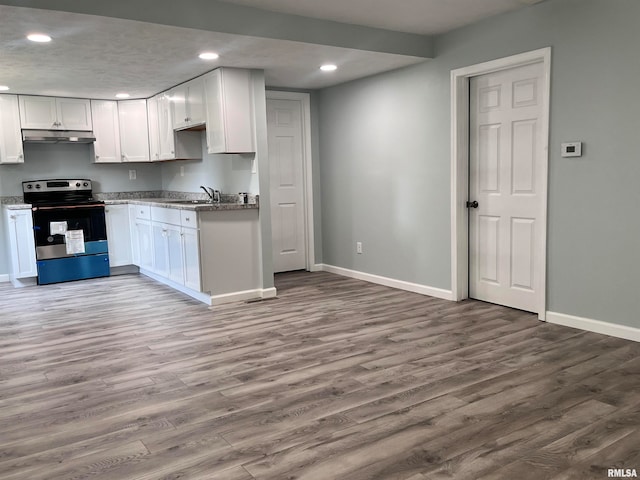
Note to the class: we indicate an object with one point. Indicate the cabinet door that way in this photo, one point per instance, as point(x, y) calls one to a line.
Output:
point(133, 228)
point(179, 110)
point(73, 114)
point(118, 235)
point(191, 252)
point(165, 128)
point(106, 128)
point(134, 133)
point(21, 243)
point(195, 101)
point(38, 112)
point(154, 133)
point(229, 114)
point(214, 109)
point(10, 135)
point(175, 264)
point(160, 260)
point(144, 238)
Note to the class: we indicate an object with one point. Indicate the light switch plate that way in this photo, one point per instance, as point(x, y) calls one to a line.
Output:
point(572, 149)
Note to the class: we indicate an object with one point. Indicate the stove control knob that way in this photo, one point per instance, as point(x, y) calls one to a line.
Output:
point(37, 185)
point(85, 184)
point(78, 184)
point(29, 186)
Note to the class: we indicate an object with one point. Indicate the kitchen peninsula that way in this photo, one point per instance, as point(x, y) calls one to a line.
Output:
point(210, 251)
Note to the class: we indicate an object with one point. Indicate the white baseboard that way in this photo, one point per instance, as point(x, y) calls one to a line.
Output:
point(4, 278)
point(389, 282)
point(597, 326)
point(243, 296)
point(317, 267)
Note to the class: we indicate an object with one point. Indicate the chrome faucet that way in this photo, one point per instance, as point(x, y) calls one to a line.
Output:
point(214, 195)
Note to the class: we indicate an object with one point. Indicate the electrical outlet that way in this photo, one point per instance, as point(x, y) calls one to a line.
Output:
point(358, 247)
point(132, 174)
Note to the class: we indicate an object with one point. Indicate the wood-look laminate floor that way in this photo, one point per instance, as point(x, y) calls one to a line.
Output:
point(336, 379)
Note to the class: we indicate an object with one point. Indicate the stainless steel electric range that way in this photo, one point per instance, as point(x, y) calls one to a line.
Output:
point(69, 229)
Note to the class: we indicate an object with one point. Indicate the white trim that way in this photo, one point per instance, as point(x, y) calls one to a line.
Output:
point(597, 326)
point(4, 278)
point(243, 296)
point(389, 282)
point(202, 297)
point(305, 99)
point(214, 299)
point(460, 168)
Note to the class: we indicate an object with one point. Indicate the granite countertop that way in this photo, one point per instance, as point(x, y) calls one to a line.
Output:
point(229, 202)
point(169, 203)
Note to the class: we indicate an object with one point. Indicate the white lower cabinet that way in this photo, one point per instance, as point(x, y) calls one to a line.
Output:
point(118, 235)
point(144, 241)
point(22, 248)
point(175, 247)
point(191, 261)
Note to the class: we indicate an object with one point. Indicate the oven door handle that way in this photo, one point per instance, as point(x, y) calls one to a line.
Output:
point(66, 207)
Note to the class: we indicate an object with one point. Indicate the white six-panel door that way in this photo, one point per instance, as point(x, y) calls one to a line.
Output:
point(505, 178)
point(286, 160)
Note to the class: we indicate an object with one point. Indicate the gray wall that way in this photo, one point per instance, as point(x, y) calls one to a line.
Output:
point(384, 157)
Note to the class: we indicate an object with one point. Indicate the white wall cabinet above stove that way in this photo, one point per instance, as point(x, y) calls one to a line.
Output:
point(10, 136)
point(52, 113)
point(229, 111)
point(187, 102)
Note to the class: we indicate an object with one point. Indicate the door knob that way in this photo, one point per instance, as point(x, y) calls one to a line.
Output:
point(473, 204)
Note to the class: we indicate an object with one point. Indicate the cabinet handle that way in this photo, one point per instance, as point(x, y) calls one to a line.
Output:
point(187, 219)
point(12, 217)
point(97, 157)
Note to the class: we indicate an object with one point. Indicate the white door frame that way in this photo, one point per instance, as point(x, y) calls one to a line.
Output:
point(460, 168)
point(307, 169)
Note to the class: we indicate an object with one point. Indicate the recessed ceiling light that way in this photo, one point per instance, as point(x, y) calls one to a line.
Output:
point(122, 95)
point(208, 56)
point(328, 67)
point(3, 88)
point(39, 37)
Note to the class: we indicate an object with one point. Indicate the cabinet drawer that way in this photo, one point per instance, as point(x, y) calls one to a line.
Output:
point(165, 215)
point(143, 211)
point(189, 218)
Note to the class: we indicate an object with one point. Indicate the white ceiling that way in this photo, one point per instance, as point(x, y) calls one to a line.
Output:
point(97, 57)
point(424, 17)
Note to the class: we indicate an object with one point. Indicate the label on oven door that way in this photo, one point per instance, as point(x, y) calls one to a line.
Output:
point(74, 240)
point(57, 228)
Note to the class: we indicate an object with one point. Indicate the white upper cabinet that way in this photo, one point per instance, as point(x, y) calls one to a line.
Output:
point(154, 132)
point(10, 136)
point(187, 103)
point(165, 127)
point(106, 127)
point(134, 132)
point(228, 101)
point(165, 143)
point(51, 113)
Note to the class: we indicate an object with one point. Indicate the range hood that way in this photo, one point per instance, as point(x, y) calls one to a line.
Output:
point(57, 136)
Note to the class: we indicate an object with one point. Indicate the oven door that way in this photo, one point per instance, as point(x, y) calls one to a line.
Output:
point(70, 230)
